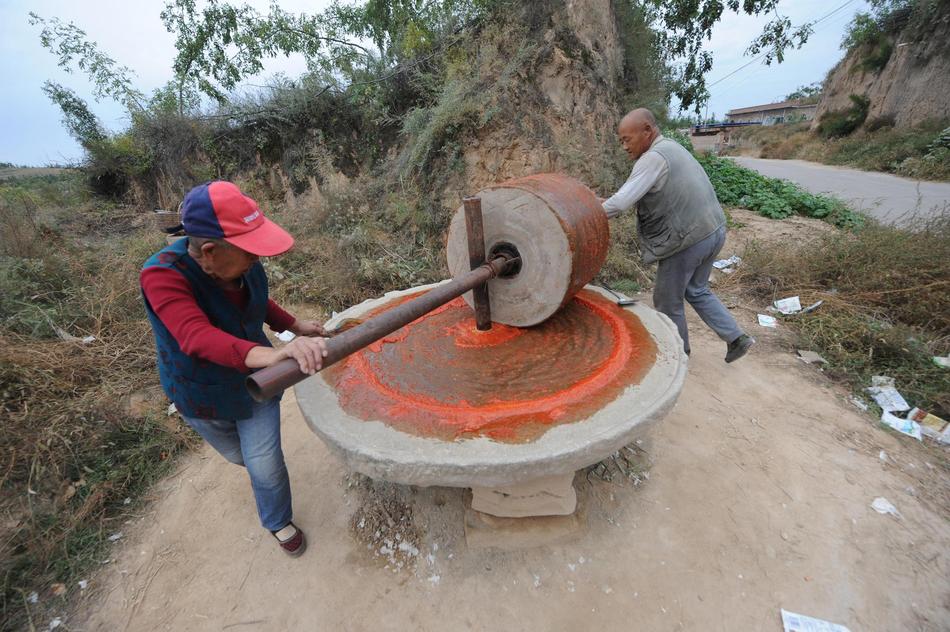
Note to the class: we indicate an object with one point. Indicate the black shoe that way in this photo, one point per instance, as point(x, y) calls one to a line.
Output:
point(738, 347)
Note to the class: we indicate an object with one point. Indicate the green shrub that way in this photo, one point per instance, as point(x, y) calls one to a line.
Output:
point(679, 137)
point(877, 56)
point(113, 162)
point(842, 122)
point(777, 199)
point(880, 122)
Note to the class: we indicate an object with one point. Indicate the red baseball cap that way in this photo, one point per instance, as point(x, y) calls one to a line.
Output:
point(219, 209)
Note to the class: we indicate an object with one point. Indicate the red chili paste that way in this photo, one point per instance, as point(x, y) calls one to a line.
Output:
point(441, 377)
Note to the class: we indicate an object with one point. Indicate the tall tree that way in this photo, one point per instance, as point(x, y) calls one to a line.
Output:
point(686, 25)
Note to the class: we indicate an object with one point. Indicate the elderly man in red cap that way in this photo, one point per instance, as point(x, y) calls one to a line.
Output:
point(207, 300)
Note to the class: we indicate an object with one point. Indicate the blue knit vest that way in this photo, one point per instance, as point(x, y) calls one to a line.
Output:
point(201, 388)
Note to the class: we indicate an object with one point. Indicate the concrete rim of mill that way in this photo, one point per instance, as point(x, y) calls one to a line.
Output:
point(381, 452)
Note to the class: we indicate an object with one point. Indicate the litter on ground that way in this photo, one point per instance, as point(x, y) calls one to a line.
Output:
point(800, 623)
point(887, 397)
point(860, 403)
point(931, 425)
point(810, 357)
point(790, 305)
point(884, 506)
point(67, 337)
point(726, 264)
point(908, 427)
point(767, 321)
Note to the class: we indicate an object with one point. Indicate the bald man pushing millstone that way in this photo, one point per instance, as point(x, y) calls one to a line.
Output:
point(681, 225)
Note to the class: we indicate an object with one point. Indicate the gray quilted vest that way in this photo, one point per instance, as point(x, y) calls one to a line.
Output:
point(684, 212)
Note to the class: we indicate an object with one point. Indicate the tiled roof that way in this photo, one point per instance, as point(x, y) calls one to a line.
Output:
point(771, 106)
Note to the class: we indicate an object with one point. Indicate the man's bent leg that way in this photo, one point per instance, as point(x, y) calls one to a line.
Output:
point(672, 276)
point(707, 304)
point(260, 445)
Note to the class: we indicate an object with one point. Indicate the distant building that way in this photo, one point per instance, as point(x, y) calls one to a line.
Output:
point(772, 113)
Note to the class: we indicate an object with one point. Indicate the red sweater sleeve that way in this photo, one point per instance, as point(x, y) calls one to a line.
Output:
point(172, 300)
point(277, 317)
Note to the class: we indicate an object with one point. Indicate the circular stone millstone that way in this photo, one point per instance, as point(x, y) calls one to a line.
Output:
point(560, 231)
point(383, 450)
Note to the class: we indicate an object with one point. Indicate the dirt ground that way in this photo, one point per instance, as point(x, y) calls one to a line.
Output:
point(758, 498)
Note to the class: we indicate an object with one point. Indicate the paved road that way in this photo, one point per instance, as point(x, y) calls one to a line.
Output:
point(880, 195)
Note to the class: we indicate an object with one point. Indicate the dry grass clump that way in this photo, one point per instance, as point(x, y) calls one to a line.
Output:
point(886, 304)
point(624, 270)
point(71, 451)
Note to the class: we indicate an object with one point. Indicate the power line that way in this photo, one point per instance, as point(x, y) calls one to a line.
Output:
point(759, 57)
point(735, 81)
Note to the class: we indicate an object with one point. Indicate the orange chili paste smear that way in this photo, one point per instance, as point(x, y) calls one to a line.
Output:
point(441, 377)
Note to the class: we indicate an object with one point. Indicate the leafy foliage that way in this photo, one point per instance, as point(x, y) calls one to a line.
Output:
point(222, 44)
point(771, 197)
point(869, 28)
point(872, 33)
point(78, 119)
point(877, 56)
point(686, 25)
point(810, 93)
point(839, 123)
point(405, 29)
point(70, 45)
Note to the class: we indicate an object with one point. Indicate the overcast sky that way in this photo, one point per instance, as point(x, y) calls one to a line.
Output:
point(132, 33)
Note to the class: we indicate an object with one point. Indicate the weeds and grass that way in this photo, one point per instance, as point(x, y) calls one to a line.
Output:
point(771, 197)
point(71, 449)
point(839, 123)
point(916, 152)
point(886, 304)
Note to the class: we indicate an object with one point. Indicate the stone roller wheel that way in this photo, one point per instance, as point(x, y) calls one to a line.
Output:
point(558, 228)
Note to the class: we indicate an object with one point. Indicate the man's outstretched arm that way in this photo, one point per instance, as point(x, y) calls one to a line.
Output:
point(650, 169)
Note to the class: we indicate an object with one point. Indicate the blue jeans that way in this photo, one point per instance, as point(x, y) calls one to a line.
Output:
point(255, 444)
point(685, 275)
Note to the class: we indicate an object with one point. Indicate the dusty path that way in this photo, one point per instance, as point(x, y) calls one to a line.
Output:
point(883, 196)
point(758, 498)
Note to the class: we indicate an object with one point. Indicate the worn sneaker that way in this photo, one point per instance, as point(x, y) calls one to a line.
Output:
point(291, 540)
point(738, 347)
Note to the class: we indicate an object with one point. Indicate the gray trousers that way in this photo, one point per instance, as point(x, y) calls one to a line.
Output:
point(685, 275)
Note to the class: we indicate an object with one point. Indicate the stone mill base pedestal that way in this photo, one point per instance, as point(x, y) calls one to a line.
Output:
point(546, 496)
point(541, 512)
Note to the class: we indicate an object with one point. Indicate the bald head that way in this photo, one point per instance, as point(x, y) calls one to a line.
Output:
point(639, 117)
point(637, 131)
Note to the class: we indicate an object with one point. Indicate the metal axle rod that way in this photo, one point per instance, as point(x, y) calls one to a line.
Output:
point(269, 381)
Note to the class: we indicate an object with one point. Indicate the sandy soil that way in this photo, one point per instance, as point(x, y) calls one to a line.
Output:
point(758, 498)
